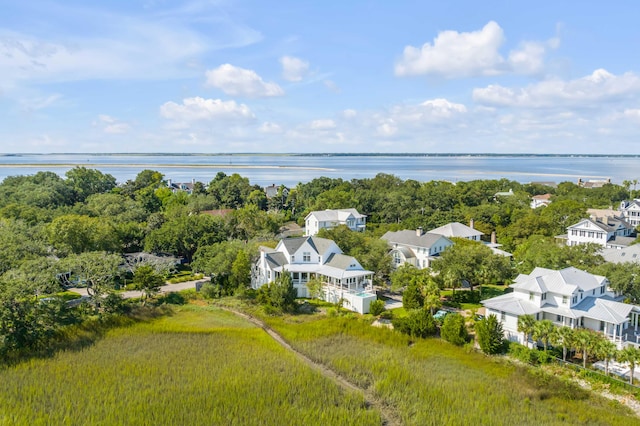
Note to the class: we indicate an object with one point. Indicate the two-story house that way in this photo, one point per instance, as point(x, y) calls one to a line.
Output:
point(329, 219)
point(417, 248)
point(630, 211)
point(607, 231)
point(306, 258)
point(569, 297)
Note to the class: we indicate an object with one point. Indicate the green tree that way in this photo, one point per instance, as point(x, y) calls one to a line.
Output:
point(147, 281)
point(79, 233)
point(543, 331)
point(412, 297)
point(606, 350)
point(526, 325)
point(454, 330)
point(97, 270)
point(418, 323)
point(315, 286)
point(629, 355)
point(564, 336)
point(240, 270)
point(431, 293)
point(282, 294)
point(585, 341)
point(86, 182)
point(490, 335)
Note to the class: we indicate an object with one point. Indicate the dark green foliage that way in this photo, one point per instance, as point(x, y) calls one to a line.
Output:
point(454, 330)
point(376, 307)
point(412, 297)
point(530, 356)
point(490, 335)
point(279, 295)
point(419, 323)
point(147, 280)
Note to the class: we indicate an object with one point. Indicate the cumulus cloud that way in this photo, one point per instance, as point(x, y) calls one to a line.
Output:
point(600, 86)
point(323, 124)
point(200, 109)
point(456, 54)
point(293, 69)
point(331, 85)
point(236, 81)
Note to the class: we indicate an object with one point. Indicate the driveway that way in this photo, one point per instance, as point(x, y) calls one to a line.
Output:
point(131, 294)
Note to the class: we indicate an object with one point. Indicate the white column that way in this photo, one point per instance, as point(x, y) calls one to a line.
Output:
point(615, 328)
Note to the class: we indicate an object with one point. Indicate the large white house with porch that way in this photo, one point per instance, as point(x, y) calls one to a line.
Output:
point(569, 297)
point(305, 258)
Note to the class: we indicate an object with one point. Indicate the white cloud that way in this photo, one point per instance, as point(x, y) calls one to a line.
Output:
point(111, 125)
point(200, 109)
point(236, 81)
point(443, 108)
point(269, 127)
point(323, 124)
point(455, 54)
point(349, 113)
point(293, 69)
point(114, 45)
point(477, 53)
point(600, 86)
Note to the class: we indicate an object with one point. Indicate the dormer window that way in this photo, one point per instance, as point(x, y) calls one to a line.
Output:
point(565, 300)
point(544, 296)
point(306, 257)
point(531, 295)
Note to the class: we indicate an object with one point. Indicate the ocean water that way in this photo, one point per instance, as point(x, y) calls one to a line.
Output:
point(290, 169)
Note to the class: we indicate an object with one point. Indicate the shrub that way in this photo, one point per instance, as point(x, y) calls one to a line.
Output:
point(412, 297)
point(471, 296)
point(454, 330)
point(386, 315)
point(419, 323)
point(522, 353)
point(490, 335)
point(376, 307)
point(211, 291)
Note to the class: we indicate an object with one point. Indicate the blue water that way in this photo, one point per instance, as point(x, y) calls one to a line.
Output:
point(291, 169)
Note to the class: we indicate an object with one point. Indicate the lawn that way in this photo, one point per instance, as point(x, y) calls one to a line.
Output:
point(200, 365)
point(432, 382)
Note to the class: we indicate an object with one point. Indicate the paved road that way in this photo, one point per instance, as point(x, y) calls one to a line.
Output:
point(131, 294)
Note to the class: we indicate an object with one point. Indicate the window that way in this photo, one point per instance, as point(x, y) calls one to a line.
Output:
point(293, 258)
point(531, 296)
point(306, 256)
point(544, 296)
point(559, 318)
point(296, 275)
point(593, 292)
point(591, 234)
point(574, 300)
point(565, 300)
point(602, 290)
point(583, 233)
point(503, 316)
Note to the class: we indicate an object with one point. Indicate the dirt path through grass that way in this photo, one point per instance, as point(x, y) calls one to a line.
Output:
point(389, 416)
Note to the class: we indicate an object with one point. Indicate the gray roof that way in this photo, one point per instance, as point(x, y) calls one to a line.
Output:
point(335, 215)
point(320, 245)
point(618, 240)
point(456, 229)
point(627, 254)
point(341, 261)
point(564, 282)
point(276, 259)
point(603, 310)
point(607, 224)
point(410, 238)
point(511, 304)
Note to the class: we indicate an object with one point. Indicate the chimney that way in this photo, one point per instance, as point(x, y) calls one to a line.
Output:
point(471, 224)
point(419, 231)
point(493, 237)
point(193, 181)
point(169, 182)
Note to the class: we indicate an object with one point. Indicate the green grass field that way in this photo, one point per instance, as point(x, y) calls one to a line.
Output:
point(199, 366)
point(430, 382)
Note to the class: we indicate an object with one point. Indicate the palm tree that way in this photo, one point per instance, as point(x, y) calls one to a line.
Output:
point(525, 326)
point(630, 355)
point(584, 342)
point(543, 331)
point(607, 350)
point(431, 293)
point(564, 336)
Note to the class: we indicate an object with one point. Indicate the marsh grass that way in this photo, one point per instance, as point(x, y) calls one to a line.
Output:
point(199, 365)
point(432, 382)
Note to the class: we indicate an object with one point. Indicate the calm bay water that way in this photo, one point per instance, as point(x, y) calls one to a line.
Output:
point(291, 169)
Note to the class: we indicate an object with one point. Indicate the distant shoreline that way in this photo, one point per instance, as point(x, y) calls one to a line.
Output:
point(319, 154)
point(168, 166)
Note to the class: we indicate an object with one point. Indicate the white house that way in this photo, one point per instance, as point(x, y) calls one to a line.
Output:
point(328, 219)
point(458, 230)
point(417, 248)
point(630, 211)
point(609, 232)
point(305, 258)
point(569, 297)
point(541, 200)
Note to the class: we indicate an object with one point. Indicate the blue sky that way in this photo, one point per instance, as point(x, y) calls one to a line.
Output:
point(319, 76)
